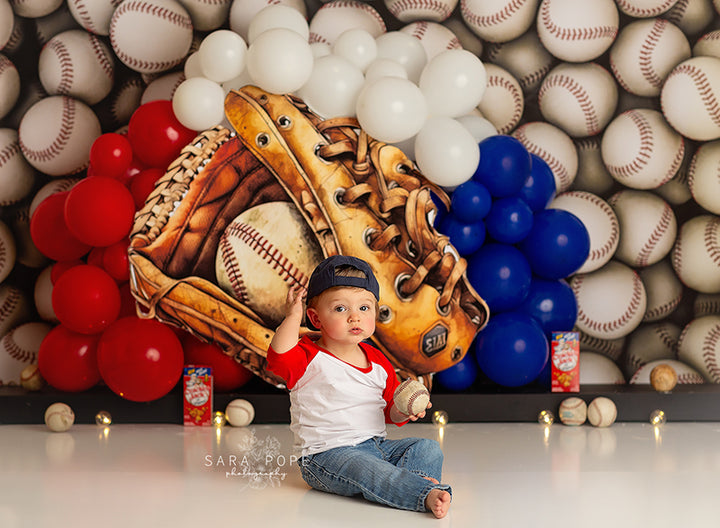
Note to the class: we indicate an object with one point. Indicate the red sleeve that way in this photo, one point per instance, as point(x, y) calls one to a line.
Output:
point(392, 380)
point(291, 365)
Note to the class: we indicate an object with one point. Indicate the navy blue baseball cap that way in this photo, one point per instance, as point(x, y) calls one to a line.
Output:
point(324, 276)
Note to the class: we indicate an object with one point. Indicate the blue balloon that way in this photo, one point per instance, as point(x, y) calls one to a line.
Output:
point(460, 376)
point(471, 201)
point(539, 189)
point(552, 304)
point(504, 165)
point(500, 274)
point(558, 244)
point(467, 238)
point(512, 350)
point(510, 220)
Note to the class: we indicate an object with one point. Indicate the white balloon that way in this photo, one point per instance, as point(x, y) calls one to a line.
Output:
point(222, 55)
point(199, 103)
point(391, 109)
point(384, 68)
point(357, 46)
point(279, 61)
point(445, 152)
point(404, 49)
point(192, 66)
point(278, 16)
point(320, 49)
point(478, 126)
point(453, 83)
point(333, 87)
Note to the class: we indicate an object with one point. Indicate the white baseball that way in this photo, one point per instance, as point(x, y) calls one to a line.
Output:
point(93, 15)
point(592, 175)
point(435, 38)
point(699, 346)
point(664, 290)
point(59, 417)
point(42, 295)
point(56, 134)
point(117, 108)
point(708, 45)
point(703, 176)
point(336, 17)
point(412, 10)
point(207, 15)
point(32, 91)
point(15, 308)
point(7, 21)
point(78, 64)
point(611, 301)
point(7, 251)
point(578, 98)
point(600, 221)
point(706, 304)
point(242, 12)
point(676, 190)
point(640, 150)
point(602, 412)
point(554, 146)
point(18, 349)
point(411, 397)
point(577, 31)
point(17, 177)
point(686, 374)
point(239, 413)
point(573, 411)
point(498, 20)
point(263, 252)
point(9, 85)
point(525, 58)
point(612, 348)
point(645, 8)
point(163, 87)
point(644, 53)
point(647, 227)
point(696, 254)
point(151, 36)
point(503, 102)
point(35, 8)
point(31, 379)
point(690, 98)
point(650, 342)
point(468, 40)
point(598, 369)
point(52, 187)
point(692, 16)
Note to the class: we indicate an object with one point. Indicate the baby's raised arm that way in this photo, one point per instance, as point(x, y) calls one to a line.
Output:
point(287, 334)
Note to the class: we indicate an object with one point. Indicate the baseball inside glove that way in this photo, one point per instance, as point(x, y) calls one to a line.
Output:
point(358, 196)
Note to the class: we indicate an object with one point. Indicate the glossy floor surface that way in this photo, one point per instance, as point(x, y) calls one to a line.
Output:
point(503, 475)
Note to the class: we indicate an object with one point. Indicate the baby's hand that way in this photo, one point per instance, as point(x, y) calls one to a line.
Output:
point(294, 301)
point(416, 417)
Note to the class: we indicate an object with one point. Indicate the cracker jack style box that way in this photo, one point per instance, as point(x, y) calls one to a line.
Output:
point(197, 395)
point(565, 358)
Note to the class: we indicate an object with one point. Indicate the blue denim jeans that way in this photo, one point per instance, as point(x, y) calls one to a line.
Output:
point(389, 472)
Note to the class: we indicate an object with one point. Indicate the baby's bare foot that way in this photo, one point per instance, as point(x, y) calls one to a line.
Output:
point(438, 502)
point(434, 481)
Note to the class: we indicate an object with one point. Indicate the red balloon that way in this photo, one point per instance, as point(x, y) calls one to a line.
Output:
point(95, 257)
point(143, 184)
point(68, 360)
point(86, 299)
point(127, 301)
point(115, 260)
point(99, 211)
point(50, 233)
point(140, 359)
point(110, 155)
point(156, 135)
point(227, 373)
point(61, 267)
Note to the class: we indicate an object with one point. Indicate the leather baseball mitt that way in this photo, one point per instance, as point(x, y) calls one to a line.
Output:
point(355, 195)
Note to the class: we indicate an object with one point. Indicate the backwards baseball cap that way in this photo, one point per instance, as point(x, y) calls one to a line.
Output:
point(324, 277)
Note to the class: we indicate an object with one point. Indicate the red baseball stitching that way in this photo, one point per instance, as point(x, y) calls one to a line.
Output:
point(676, 256)
point(65, 63)
point(11, 302)
point(662, 310)
point(709, 354)
point(6, 64)
point(556, 166)
point(3, 254)
point(15, 351)
point(492, 19)
point(231, 266)
point(441, 8)
point(643, 12)
point(704, 89)
point(574, 33)
point(101, 54)
point(501, 82)
point(676, 13)
point(644, 152)
point(656, 236)
point(9, 152)
point(706, 306)
point(67, 122)
point(665, 337)
point(646, 53)
point(592, 123)
point(604, 346)
point(711, 240)
point(608, 247)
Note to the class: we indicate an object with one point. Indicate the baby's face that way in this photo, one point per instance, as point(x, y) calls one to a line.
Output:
point(346, 315)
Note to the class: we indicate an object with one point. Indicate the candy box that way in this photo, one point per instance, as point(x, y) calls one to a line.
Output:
point(197, 395)
point(565, 362)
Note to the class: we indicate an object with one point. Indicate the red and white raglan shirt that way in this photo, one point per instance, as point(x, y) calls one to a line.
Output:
point(334, 403)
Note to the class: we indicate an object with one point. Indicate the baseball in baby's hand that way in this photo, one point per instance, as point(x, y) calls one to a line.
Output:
point(411, 397)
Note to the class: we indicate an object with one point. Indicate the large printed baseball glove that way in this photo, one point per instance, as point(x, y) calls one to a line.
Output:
point(355, 195)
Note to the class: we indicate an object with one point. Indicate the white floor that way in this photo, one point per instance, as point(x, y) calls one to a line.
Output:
point(503, 475)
